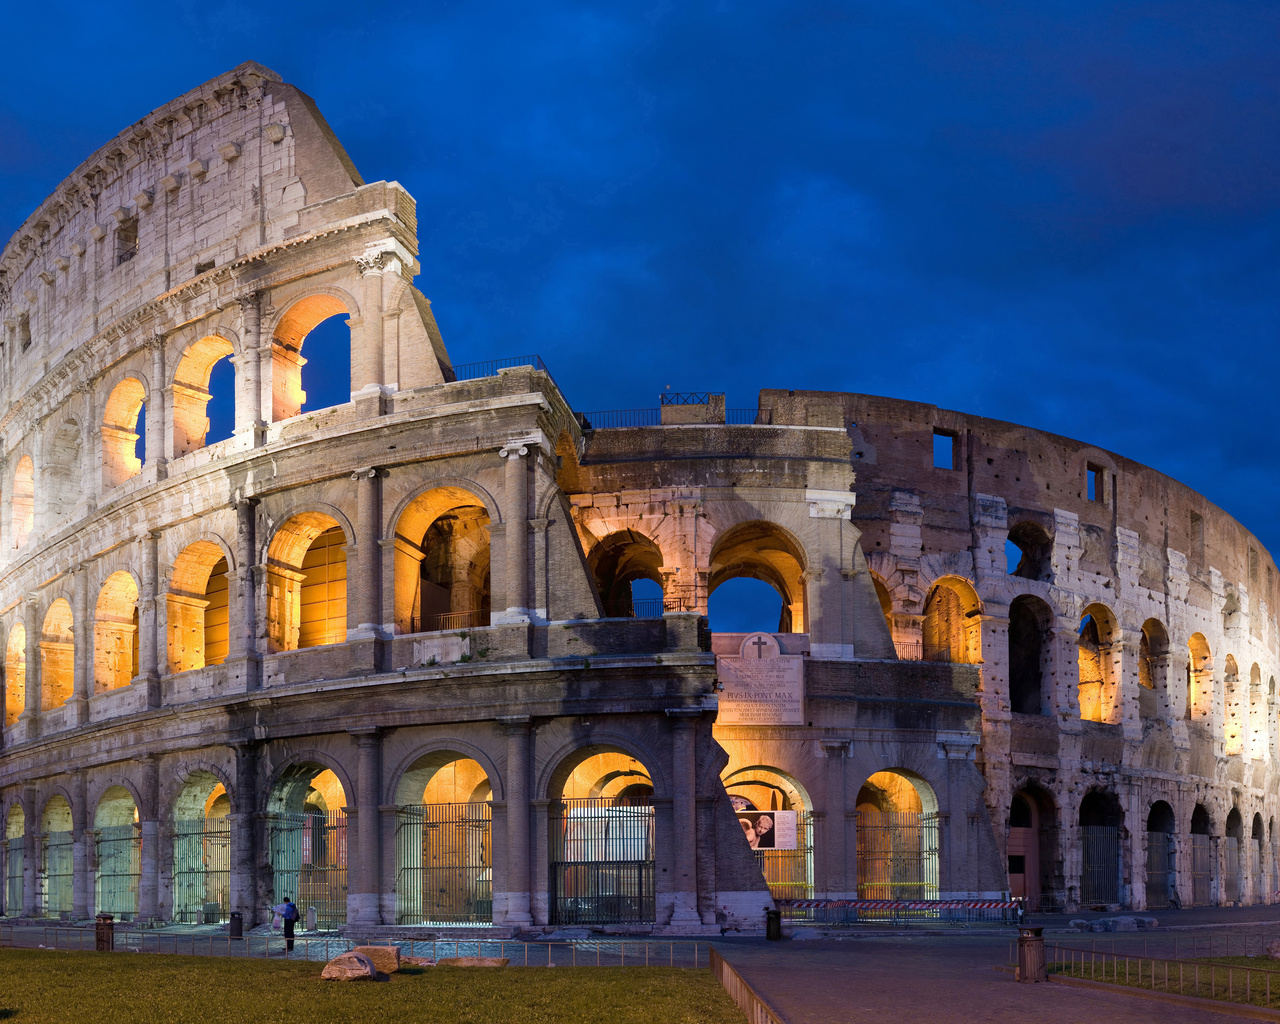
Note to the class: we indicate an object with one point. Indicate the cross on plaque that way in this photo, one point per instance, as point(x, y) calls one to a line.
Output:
point(758, 643)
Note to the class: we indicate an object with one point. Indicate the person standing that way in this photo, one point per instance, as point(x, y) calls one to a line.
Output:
point(288, 912)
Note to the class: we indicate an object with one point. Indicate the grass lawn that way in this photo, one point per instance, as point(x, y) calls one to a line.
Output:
point(41, 985)
point(1221, 977)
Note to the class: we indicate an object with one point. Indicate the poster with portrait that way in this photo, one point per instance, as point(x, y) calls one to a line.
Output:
point(768, 830)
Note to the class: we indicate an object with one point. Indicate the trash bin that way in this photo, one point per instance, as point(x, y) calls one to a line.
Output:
point(237, 925)
point(104, 935)
point(773, 925)
point(1031, 955)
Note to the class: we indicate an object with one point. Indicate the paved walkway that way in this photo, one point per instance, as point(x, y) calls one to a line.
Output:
point(927, 980)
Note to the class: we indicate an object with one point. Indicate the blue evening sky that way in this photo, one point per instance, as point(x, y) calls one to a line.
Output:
point(1061, 213)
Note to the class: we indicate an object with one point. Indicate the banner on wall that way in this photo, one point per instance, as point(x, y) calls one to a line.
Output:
point(769, 830)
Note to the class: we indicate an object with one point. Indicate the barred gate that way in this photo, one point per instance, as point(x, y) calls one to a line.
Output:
point(601, 860)
point(1201, 870)
point(309, 863)
point(15, 856)
point(444, 863)
point(202, 870)
point(57, 872)
point(1259, 873)
point(1160, 869)
point(897, 855)
point(1100, 867)
point(1231, 874)
point(789, 873)
point(118, 864)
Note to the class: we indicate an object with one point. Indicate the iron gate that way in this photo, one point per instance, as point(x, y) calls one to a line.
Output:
point(1259, 874)
point(444, 863)
point(1201, 870)
point(1231, 873)
point(789, 873)
point(118, 853)
point(1100, 868)
point(601, 862)
point(897, 855)
point(202, 870)
point(15, 858)
point(1160, 869)
point(57, 873)
point(309, 863)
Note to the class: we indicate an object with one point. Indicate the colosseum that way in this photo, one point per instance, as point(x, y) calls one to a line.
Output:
point(395, 657)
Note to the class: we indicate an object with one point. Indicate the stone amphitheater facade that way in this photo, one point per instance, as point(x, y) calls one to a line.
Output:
point(384, 656)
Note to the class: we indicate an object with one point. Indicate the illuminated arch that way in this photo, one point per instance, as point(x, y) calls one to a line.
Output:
point(120, 432)
point(23, 500)
point(307, 582)
point(115, 633)
point(191, 391)
point(291, 330)
point(952, 627)
point(1096, 657)
point(57, 656)
point(198, 605)
point(764, 551)
point(616, 561)
point(1199, 678)
point(897, 847)
point(442, 561)
point(15, 674)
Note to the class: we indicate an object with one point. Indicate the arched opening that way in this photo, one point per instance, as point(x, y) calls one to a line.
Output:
point(1232, 843)
point(57, 656)
point(1153, 668)
point(1257, 729)
point(198, 607)
point(1259, 860)
point(885, 599)
point(777, 820)
point(442, 562)
point(761, 551)
point(307, 583)
point(1199, 678)
point(57, 858)
point(1161, 871)
point(1034, 868)
point(15, 674)
point(121, 419)
point(444, 842)
point(1233, 709)
point(897, 838)
point(1098, 652)
point(1034, 550)
point(601, 842)
point(1029, 653)
point(330, 349)
point(23, 501)
point(15, 857)
point(192, 382)
point(1202, 860)
point(202, 851)
point(63, 482)
point(952, 628)
point(119, 854)
point(307, 842)
point(115, 633)
point(617, 562)
point(1101, 820)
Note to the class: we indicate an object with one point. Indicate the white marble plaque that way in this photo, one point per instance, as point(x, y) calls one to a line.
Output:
point(761, 685)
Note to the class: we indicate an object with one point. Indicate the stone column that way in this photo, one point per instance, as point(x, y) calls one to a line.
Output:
point(243, 662)
point(244, 824)
point(90, 462)
point(148, 815)
point(368, 562)
point(82, 870)
point(156, 454)
point(684, 862)
point(362, 898)
point(82, 628)
point(149, 620)
point(837, 841)
point(366, 357)
point(517, 787)
point(250, 423)
point(31, 622)
point(30, 853)
point(516, 538)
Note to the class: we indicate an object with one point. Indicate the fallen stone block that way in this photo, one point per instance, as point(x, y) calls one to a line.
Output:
point(1273, 949)
point(473, 961)
point(350, 967)
point(385, 958)
point(417, 961)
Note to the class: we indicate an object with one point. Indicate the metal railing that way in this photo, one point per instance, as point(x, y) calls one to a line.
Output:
point(444, 863)
point(689, 397)
point(490, 367)
point(455, 620)
point(613, 419)
point(748, 417)
point(901, 912)
point(647, 608)
point(914, 650)
point(743, 995)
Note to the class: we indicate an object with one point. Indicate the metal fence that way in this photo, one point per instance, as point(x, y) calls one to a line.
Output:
point(613, 419)
point(1259, 873)
point(897, 855)
point(602, 869)
point(1231, 870)
point(473, 619)
point(1160, 869)
point(1201, 870)
point(902, 912)
point(15, 858)
point(118, 869)
point(647, 608)
point(789, 873)
point(57, 872)
point(202, 870)
point(490, 367)
point(1100, 864)
point(308, 854)
point(914, 650)
point(444, 863)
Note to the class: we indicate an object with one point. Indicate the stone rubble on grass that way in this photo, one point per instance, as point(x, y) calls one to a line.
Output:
point(350, 967)
point(417, 961)
point(385, 958)
point(473, 961)
point(1116, 924)
point(1273, 949)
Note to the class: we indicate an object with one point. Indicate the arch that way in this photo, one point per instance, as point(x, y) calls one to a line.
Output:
point(291, 330)
point(115, 633)
point(1199, 678)
point(120, 433)
point(307, 837)
point(1233, 709)
point(774, 811)
point(897, 837)
point(199, 608)
point(764, 551)
point(57, 656)
point(616, 561)
point(1035, 550)
point(1101, 820)
point(15, 674)
point(23, 501)
point(57, 865)
point(307, 582)
point(1203, 861)
point(1161, 875)
point(15, 831)
point(883, 596)
point(1034, 865)
point(952, 628)
point(1259, 860)
point(1097, 652)
point(202, 850)
point(190, 395)
point(1153, 667)
point(1233, 842)
point(1030, 620)
point(442, 561)
point(119, 853)
point(63, 481)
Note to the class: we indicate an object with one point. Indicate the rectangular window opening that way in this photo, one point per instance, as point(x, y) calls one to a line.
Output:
point(126, 241)
point(1097, 482)
point(1253, 565)
point(944, 450)
point(1197, 537)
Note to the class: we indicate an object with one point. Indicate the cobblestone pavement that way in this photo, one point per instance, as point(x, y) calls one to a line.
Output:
point(910, 980)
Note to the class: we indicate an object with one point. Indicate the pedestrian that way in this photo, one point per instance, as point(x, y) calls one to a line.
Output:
point(289, 915)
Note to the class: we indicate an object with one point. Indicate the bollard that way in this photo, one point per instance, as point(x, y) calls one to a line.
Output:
point(1031, 966)
point(104, 936)
point(772, 925)
point(311, 919)
point(237, 925)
